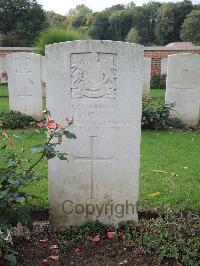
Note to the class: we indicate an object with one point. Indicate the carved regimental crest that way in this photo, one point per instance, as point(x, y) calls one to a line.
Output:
point(94, 75)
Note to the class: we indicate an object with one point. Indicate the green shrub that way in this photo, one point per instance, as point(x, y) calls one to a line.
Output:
point(158, 82)
point(173, 238)
point(17, 170)
point(54, 35)
point(15, 120)
point(155, 113)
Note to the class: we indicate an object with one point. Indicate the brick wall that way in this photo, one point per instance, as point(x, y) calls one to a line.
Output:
point(7, 50)
point(157, 53)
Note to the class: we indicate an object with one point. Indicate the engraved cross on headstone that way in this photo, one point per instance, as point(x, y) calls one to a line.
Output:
point(92, 158)
point(25, 95)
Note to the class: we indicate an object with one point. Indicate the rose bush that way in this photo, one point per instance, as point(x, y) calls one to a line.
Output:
point(17, 171)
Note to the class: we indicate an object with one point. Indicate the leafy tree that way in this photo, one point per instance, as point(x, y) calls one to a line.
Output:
point(153, 23)
point(81, 10)
point(114, 8)
point(121, 21)
point(100, 28)
point(165, 25)
point(191, 28)
point(171, 18)
point(133, 36)
point(77, 18)
point(21, 21)
point(144, 20)
point(54, 20)
point(181, 10)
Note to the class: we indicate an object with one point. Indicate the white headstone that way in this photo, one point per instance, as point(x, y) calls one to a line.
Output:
point(3, 70)
point(183, 86)
point(99, 83)
point(164, 66)
point(24, 83)
point(147, 76)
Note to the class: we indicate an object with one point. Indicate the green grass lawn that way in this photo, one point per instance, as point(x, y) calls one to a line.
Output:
point(4, 105)
point(3, 90)
point(157, 93)
point(169, 165)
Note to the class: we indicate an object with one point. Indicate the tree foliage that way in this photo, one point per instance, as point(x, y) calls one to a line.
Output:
point(54, 20)
point(53, 35)
point(21, 22)
point(153, 23)
point(191, 28)
point(133, 36)
point(121, 21)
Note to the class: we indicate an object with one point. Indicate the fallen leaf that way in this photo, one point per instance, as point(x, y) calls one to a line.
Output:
point(120, 235)
point(155, 194)
point(77, 249)
point(46, 262)
point(95, 239)
point(159, 171)
point(45, 240)
point(55, 258)
point(54, 247)
point(123, 262)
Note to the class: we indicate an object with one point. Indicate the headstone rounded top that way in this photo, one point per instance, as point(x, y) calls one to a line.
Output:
point(22, 54)
point(93, 43)
point(183, 55)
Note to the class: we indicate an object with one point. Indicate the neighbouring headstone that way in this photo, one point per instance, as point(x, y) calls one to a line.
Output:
point(99, 83)
point(183, 87)
point(164, 66)
point(3, 70)
point(147, 76)
point(43, 75)
point(24, 83)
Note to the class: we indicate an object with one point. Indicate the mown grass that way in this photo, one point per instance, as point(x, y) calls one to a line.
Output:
point(3, 90)
point(169, 165)
point(4, 105)
point(157, 93)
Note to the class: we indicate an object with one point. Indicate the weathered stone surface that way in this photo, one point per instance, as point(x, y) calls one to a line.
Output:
point(183, 86)
point(147, 76)
point(99, 83)
point(24, 83)
point(164, 66)
point(3, 70)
